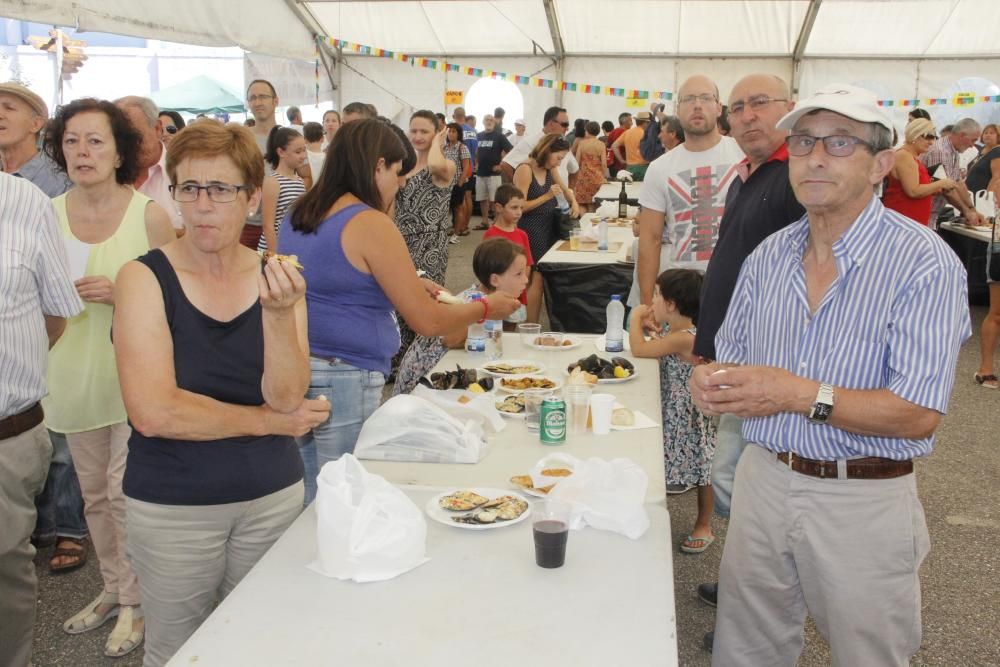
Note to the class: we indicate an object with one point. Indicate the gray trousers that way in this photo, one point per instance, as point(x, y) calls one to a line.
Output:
point(845, 551)
point(188, 558)
point(24, 463)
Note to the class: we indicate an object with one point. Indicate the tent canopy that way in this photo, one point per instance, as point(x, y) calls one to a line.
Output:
point(672, 28)
point(202, 94)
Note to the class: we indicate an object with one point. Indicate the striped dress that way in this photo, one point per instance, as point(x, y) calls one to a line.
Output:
point(289, 189)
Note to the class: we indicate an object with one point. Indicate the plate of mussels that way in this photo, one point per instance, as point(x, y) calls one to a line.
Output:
point(460, 378)
point(478, 508)
point(512, 406)
point(615, 370)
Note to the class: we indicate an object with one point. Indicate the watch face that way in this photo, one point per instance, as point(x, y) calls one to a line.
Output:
point(821, 412)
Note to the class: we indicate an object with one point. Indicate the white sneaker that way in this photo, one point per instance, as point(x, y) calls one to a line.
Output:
point(453, 239)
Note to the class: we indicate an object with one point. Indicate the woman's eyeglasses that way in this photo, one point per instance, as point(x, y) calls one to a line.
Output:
point(220, 193)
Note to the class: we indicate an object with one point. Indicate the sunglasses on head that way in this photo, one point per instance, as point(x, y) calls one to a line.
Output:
point(170, 129)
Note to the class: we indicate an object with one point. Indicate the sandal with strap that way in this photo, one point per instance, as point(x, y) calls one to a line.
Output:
point(125, 638)
point(78, 552)
point(987, 381)
point(87, 618)
point(687, 546)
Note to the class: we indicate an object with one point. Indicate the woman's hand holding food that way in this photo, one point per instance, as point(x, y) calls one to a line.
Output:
point(501, 305)
point(281, 284)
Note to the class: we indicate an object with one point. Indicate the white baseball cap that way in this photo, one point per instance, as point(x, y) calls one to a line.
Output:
point(855, 103)
point(519, 121)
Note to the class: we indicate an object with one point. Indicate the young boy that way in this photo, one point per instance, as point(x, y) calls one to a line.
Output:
point(507, 208)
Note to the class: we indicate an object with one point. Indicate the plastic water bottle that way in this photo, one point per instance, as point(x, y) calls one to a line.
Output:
point(475, 339)
point(494, 339)
point(602, 235)
point(614, 335)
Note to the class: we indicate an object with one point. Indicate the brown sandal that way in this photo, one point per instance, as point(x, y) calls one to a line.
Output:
point(80, 554)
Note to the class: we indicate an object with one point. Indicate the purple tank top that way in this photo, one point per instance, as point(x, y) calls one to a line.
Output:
point(350, 317)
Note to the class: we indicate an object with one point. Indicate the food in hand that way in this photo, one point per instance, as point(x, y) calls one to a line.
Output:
point(444, 296)
point(604, 369)
point(293, 260)
point(462, 500)
point(623, 417)
point(527, 383)
point(549, 341)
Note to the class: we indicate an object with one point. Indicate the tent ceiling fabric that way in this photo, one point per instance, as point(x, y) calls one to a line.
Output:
point(931, 29)
point(201, 22)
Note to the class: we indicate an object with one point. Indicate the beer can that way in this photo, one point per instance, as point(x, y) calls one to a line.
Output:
point(552, 421)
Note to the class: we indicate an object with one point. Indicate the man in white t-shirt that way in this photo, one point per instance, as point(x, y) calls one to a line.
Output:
point(684, 192)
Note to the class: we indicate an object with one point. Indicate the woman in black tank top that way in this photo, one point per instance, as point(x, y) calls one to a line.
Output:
point(212, 353)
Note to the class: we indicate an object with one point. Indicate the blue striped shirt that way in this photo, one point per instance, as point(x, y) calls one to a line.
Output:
point(894, 318)
point(34, 280)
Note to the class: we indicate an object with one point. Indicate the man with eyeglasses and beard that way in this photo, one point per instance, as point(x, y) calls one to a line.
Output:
point(839, 350)
point(684, 191)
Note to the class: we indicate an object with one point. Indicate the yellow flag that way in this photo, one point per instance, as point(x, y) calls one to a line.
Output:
point(453, 96)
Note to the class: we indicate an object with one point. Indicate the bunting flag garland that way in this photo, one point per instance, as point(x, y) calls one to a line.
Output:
point(959, 99)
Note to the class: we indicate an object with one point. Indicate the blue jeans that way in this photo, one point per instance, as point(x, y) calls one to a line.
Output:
point(729, 446)
point(354, 394)
point(60, 504)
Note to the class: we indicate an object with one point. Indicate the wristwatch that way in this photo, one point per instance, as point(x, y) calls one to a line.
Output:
point(822, 407)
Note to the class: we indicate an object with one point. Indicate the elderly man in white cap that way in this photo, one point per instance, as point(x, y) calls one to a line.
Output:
point(519, 128)
point(839, 350)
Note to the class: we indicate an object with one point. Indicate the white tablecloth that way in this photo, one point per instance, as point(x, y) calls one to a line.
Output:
point(978, 233)
point(515, 450)
point(616, 234)
point(481, 600)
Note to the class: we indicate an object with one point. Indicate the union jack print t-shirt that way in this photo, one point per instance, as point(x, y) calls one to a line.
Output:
point(690, 188)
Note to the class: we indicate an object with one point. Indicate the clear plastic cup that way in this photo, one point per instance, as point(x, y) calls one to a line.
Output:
point(601, 407)
point(528, 332)
point(577, 407)
point(533, 407)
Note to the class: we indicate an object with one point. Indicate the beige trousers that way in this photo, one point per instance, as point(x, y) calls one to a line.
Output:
point(845, 551)
point(24, 463)
point(188, 558)
point(99, 458)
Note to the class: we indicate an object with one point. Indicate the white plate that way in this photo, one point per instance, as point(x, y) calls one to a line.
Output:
point(535, 493)
point(500, 387)
point(444, 516)
point(599, 344)
point(508, 415)
point(513, 362)
point(577, 342)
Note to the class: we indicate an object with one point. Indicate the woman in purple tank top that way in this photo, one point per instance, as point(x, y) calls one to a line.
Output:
point(360, 275)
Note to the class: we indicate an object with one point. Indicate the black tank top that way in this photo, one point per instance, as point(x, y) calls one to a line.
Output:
point(225, 361)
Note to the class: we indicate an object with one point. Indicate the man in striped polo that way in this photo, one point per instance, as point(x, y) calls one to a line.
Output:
point(838, 350)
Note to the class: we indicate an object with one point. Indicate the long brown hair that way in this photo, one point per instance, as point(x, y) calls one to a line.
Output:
point(350, 169)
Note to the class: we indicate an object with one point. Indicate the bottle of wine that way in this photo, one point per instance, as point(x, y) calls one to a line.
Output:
point(623, 202)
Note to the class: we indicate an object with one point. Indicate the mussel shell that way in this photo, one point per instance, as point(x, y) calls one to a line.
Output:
point(486, 383)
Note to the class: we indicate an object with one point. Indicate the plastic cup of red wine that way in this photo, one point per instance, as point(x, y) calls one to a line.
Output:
point(550, 528)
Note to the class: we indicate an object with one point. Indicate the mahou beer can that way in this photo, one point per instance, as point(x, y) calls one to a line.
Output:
point(552, 421)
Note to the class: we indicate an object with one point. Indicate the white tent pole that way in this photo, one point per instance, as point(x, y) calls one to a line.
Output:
point(802, 42)
point(557, 44)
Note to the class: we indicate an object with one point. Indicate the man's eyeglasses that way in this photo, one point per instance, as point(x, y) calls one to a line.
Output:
point(260, 98)
point(220, 193)
point(837, 145)
point(565, 123)
point(170, 129)
point(704, 98)
point(755, 103)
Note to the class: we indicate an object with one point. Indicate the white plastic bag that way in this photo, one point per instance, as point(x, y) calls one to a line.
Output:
point(477, 406)
point(410, 428)
point(366, 528)
point(609, 495)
